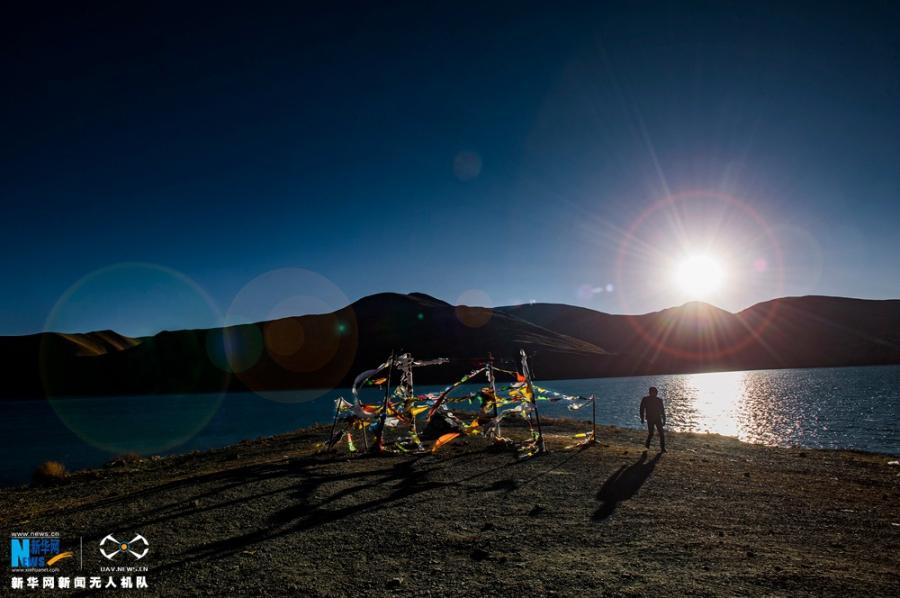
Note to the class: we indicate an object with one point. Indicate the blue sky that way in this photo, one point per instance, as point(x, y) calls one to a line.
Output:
point(506, 153)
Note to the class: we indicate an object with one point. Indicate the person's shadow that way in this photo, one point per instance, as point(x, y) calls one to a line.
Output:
point(623, 484)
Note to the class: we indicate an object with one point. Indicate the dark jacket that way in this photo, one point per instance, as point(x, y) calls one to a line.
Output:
point(652, 409)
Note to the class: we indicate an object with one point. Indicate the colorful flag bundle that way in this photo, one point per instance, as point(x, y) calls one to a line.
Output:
point(415, 419)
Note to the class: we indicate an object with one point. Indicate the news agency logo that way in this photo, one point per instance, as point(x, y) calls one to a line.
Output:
point(36, 550)
point(137, 547)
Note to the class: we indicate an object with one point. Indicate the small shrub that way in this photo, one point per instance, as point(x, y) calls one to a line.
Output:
point(49, 473)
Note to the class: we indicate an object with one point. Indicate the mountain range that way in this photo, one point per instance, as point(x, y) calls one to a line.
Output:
point(563, 341)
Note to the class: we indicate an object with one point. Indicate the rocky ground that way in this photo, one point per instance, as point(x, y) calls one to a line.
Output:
point(713, 516)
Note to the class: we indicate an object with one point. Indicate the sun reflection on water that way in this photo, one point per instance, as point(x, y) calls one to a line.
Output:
point(711, 402)
point(856, 408)
point(762, 407)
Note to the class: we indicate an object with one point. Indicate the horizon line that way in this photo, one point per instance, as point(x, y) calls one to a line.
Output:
point(412, 293)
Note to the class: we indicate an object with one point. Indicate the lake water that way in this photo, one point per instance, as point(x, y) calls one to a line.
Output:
point(849, 408)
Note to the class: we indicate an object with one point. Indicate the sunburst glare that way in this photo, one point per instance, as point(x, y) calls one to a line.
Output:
point(699, 276)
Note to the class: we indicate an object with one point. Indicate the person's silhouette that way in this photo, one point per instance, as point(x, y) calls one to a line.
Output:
point(654, 412)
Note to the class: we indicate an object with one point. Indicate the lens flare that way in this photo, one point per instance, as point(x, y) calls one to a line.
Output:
point(471, 308)
point(291, 326)
point(139, 299)
point(699, 276)
point(689, 223)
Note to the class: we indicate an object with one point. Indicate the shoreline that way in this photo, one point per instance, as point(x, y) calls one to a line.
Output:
point(323, 428)
point(320, 431)
point(714, 515)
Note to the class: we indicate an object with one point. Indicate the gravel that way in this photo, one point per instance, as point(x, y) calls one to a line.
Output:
point(713, 516)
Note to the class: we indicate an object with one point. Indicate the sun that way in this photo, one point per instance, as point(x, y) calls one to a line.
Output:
point(699, 276)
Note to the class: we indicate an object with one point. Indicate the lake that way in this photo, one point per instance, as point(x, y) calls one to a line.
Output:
point(847, 408)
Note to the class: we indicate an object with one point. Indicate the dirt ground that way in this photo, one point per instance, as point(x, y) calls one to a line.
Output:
point(713, 516)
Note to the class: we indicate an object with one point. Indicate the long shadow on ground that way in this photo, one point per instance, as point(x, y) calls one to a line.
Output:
point(403, 480)
point(307, 499)
point(624, 484)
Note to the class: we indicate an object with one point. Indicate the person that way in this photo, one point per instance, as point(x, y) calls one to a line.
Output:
point(654, 412)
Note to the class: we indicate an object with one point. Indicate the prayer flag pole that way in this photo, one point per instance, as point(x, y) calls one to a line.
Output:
point(337, 407)
point(494, 393)
point(410, 391)
point(379, 439)
point(537, 415)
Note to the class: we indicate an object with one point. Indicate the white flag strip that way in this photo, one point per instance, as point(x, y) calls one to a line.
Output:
point(400, 362)
point(438, 361)
point(360, 380)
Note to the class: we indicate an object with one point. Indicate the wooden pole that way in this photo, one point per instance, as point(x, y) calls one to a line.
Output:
point(410, 400)
point(337, 406)
point(494, 392)
point(537, 415)
point(593, 419)
point(379, 438)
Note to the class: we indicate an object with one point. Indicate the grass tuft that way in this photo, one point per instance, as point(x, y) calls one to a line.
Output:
point(49, 473)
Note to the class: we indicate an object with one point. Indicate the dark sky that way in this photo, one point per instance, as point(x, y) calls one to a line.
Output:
point(170, 166)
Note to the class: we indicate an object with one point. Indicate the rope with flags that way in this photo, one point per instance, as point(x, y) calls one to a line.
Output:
point(415, 419)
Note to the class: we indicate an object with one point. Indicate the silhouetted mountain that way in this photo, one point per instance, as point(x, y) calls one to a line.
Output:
point(327, 350)
point(299, 352)
point(790, 332)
